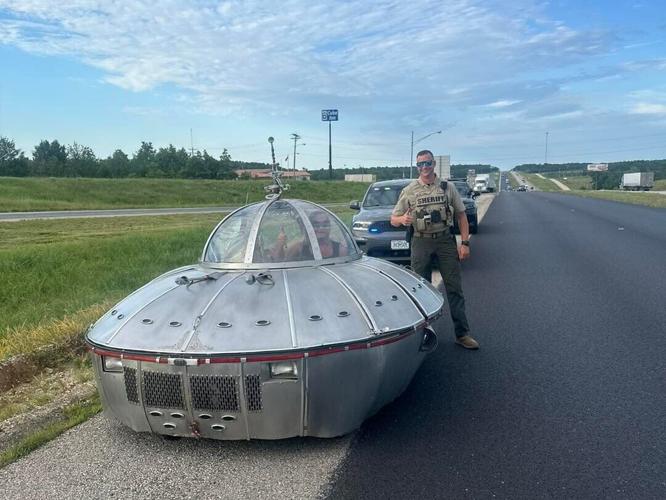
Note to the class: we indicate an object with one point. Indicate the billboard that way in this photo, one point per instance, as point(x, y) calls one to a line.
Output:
point(597, 167)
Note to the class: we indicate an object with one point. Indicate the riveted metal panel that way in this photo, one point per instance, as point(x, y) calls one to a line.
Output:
point(167, 323)
point(107, 326)
point(421, 291)
point(324, 312)
point(388, 303)
point(248, 326)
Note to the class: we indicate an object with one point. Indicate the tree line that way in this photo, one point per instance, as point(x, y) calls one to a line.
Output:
point(52, 159)
point(388, 173)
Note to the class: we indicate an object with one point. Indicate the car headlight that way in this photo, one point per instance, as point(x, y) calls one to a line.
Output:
point(284, 370)
point(111, 364)
point(361, 225)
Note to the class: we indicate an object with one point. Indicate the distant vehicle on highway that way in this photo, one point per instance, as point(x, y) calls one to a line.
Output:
point(522, 188)
point(637, 181)
point(484, 183)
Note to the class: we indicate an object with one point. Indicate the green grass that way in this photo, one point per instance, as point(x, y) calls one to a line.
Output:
point(512, 181)
point(578, 181)
point(660, 185)
point(36, 193)
point(540, 183)
point(73, 415)
point(50, 281)
point(655, 200)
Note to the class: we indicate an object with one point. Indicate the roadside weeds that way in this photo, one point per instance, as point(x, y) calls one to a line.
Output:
point(49, 387)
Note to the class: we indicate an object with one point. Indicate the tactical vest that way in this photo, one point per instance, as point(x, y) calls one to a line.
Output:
point(431, 208)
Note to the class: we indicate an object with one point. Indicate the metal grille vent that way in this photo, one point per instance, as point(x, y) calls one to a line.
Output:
point(214, 392)
point(130, 384)
point(253, 392)
point(163, 390)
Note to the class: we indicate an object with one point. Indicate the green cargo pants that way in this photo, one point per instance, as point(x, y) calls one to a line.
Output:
point(445, 247)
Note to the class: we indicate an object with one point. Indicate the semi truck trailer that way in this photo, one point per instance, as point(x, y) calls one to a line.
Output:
point(637, 181)
point(484, 183)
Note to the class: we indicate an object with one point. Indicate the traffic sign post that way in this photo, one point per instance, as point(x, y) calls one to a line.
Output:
point(329, 115)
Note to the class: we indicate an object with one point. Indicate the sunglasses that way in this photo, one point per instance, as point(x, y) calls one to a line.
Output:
point(321, 224)
point(424, 163)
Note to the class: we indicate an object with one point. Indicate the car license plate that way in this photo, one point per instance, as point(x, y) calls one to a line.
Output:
point(399, 245)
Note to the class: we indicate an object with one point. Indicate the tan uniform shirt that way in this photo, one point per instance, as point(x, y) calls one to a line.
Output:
point(423, 199)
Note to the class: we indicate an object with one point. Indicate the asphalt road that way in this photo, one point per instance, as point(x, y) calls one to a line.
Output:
point(122, 212)
point(567, 396)
point(565, 399)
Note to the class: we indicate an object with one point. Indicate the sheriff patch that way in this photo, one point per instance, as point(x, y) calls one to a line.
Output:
point(431, 200)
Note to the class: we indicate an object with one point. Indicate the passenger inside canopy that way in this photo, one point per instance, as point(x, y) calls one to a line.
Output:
point(293, 244)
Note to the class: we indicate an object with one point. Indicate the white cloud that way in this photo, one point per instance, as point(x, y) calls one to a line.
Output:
point(647, 108)
point(503, 103)
point(247, 54)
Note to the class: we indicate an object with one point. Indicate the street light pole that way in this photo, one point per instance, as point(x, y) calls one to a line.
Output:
point(295, 137)
point(411, 157)
point(411, 154)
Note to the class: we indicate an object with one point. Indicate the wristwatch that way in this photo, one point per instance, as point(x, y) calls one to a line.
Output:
point(465, 242)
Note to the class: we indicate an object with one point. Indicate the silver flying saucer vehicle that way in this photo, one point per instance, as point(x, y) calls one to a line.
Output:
point(284, 328)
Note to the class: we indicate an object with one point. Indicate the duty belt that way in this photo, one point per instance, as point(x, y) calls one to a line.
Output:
point(438, 234)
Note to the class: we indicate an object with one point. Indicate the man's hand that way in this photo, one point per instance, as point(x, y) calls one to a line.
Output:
point(402, 220)
point(407, 219)
point(463, 252)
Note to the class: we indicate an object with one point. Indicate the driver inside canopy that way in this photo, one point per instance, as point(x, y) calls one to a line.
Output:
point(283, 236)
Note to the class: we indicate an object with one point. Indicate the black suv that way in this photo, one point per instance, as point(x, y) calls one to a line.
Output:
point(372, 227)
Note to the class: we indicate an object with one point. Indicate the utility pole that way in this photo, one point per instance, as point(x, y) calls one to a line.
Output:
point(295, 137)
point(545, 161)
point(330, 154)
point(411, 157)
point(191, 143)
point(329, 115)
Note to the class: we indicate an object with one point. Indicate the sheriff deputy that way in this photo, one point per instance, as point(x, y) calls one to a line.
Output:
point(428, 205)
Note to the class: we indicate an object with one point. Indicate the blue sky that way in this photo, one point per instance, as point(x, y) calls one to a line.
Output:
point(494, 76)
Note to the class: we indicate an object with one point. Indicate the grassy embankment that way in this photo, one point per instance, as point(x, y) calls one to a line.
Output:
point(512, 180)
point(654, 200)
point(36, 194)
point(540, 183)
point(582, 186)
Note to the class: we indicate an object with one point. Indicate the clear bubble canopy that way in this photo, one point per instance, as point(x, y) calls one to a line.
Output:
point(279, 233)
